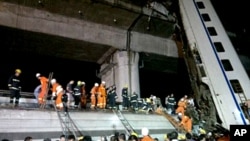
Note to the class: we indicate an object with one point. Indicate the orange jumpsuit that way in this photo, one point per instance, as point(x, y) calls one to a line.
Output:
point(59, 94)
point(83, 98)
point(44, 85)
point(102, 97)
point(181, 107)
point(187, 123)
point(94, 92)
point(147, 138)
point(56, 92)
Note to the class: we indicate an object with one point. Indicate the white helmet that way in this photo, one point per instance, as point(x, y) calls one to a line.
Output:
point(53, 81)
point(96, 84)
point(83, 83)
point(144, 131)
point(38, 75)
point(103, 82)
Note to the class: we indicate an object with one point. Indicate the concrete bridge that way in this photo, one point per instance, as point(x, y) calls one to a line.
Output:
point(116, 38)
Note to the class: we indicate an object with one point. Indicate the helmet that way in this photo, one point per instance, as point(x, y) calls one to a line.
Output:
point(96, 84)
point(103, 82)
point(83, 83)
point(53, 81)
point(38, 75)
point(18, 71)
point(144, 131)
point(79, 83)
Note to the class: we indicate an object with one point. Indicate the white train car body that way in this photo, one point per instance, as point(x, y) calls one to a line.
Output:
point(225, 75)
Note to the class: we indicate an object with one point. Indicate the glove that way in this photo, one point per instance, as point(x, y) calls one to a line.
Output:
point(53, 94)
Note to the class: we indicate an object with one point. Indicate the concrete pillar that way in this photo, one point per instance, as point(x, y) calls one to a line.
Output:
point(125, 71)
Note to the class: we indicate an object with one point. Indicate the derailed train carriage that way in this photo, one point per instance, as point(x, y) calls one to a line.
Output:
point(218, 78)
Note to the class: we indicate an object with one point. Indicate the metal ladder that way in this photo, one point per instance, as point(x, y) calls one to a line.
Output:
point(175, 123)
point(128, 127)
point(47, 90)
point(67, 124)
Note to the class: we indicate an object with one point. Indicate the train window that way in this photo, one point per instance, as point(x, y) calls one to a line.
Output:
point(219, 47)
point(236, 86)
point(205, 17)
point(200, 5)
point(227, 65)
point(212, 31)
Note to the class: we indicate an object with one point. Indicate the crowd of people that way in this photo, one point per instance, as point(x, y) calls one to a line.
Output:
point(75, 96)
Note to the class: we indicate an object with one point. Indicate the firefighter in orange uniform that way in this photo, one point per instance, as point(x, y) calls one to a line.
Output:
point(186, 122)
point(102, 96)
point(84, 96)
point(94, 92)
point(181, 107)
point(44, 85)
point(59, 94)
point(54, 85)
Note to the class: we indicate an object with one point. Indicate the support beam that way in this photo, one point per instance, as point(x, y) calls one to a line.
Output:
point(125, 72)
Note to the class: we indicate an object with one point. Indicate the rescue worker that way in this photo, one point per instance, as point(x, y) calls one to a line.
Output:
point(171, 102)
point(55, 88)
point(94, 92)
point(185, 98)
point(59, 94)
point(133, 101)
point(181, 108)
point(112, 96)
point(44, 86)
point(84, 96)
point(153, 102)
point(125, 98)
point(65, 102)
point(14, 85)
point(70, 92)
point(145, 134)
point(37, 91)
point(77, 94)
point(186, 122)
point(140, 104)
point(101, 101)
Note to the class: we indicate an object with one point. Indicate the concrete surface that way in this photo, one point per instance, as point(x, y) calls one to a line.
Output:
point(17, 124)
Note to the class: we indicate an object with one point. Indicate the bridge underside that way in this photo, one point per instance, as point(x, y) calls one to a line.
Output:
point(33, 43)
point(43, 44)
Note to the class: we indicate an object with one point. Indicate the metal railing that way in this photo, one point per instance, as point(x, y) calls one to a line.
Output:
point(23, 94)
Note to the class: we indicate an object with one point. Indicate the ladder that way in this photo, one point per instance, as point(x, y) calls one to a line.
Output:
point(175, 123)
point(67, 124)
point(42, 106)
point(129, 129)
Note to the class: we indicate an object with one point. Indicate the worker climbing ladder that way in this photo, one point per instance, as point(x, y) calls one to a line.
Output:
point(174, 122)
point(67, 124)
point(42, 106)
point(128, 127)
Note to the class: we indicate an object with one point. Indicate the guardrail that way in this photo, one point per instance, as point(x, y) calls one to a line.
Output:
point(23, 94)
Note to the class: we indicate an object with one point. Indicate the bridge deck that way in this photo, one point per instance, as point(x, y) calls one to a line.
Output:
point(29, 120)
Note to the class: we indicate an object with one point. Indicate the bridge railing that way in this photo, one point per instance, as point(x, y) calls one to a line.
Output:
point(5, 93)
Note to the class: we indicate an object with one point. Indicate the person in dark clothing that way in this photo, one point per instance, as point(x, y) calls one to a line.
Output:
point(70, 92)
point(112, 97)
point(65, 100)
point(28, 138)
point(71, 138)
point(134, 104)
point(14, 85)
point(77, 94)
point(125, 98)
point(171, 104)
